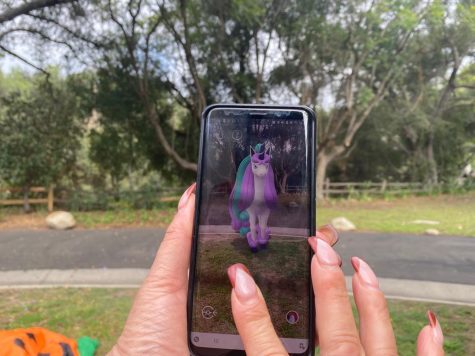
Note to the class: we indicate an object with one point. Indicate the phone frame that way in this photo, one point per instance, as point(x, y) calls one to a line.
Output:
point(312, 211)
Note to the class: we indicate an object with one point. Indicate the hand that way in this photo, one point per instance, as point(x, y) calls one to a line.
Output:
point(157, 322)
point(336, 328)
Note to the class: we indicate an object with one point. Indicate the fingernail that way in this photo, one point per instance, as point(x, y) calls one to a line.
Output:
point(365, 272)
point(245, 287)
point(312, 241)
point(329, 231)
point(437, 334)
point(326, 255)
point(186, 195)
point(232, 272)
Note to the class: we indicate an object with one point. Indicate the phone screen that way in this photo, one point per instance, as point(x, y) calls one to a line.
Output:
point(254, 207)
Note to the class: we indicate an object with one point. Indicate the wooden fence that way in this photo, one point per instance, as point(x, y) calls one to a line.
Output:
point(49, 200)
point(373, 188)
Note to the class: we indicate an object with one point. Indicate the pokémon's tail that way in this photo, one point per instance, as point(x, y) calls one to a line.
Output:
point(239, 216)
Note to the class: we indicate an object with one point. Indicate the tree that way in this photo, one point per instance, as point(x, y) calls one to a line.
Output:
point(428, 100)
point(40, 129)
point(350, 51)
point(46, 22)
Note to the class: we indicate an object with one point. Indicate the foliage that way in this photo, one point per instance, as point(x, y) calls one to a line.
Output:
point(393, 79)
point(40, 128)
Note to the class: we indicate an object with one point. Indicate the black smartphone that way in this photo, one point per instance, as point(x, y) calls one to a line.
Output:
point(255, 204)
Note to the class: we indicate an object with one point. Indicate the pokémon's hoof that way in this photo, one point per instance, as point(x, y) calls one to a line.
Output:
point(251, 242)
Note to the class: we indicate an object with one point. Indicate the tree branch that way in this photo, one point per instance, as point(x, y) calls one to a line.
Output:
point(26, 8)
point(6, 50)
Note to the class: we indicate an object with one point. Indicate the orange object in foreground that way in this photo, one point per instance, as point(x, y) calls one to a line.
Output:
point(36, 341)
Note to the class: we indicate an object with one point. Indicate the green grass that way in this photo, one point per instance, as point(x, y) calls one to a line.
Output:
point(277, 273)
point(98, 313)
point(92, 219)
point(456, 214)
point(101, 313)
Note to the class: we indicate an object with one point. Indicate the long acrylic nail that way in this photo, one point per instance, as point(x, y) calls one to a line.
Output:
point(437, 334)
point(232, 272)
point(312, 241)
point(365, 272)
point(326, 255)
point(186, 195)
point(245, 288)
point(329, 231)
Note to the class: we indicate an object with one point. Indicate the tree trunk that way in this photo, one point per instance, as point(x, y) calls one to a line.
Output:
point(26, 203)
point(433, 172)
point(322, 165)
point(283, 183)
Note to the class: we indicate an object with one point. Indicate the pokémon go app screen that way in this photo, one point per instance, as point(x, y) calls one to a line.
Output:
point(254, 210)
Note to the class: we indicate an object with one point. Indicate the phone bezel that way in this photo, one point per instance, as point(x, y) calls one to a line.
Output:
point(312, 212)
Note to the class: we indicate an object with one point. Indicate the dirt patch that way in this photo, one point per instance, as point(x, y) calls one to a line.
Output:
point(33, 221)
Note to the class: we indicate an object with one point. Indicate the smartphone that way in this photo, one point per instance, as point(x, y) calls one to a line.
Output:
point(255, 204)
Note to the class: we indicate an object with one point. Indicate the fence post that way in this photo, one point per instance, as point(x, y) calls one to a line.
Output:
point(383, 186)
point(326, 190)
point(50, 198)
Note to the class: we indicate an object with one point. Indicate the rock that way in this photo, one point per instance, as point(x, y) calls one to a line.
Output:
point(343, 224)
point(426, 222)
point(434, 232)
point(60, 220)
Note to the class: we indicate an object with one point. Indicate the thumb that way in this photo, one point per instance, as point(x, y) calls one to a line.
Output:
point(251, 316)
point(431, 340)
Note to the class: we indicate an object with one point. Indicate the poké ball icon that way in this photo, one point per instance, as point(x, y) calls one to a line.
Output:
point(208, 312)
point(292, 317)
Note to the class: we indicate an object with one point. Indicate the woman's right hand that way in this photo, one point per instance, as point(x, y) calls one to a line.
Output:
point(336, 328)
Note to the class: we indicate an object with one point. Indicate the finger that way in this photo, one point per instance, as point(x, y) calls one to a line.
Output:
point(328, 234)
point(170, 268)
point(251, 315)
point(336, 326)
point(376, 331)
point(164, 289)
point(431, 340)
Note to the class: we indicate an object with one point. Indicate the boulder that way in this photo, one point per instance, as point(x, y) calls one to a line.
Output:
point(433, 232)
point(60, 220)
point(343, 224)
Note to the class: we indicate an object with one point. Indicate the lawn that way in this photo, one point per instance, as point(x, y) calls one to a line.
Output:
point(455, 213)
point(287, 285)
point(101, 313)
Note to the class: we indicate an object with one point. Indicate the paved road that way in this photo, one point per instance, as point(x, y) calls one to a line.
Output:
point(429, 258)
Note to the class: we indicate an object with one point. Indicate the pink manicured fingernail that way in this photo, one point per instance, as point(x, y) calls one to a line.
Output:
point(245, 287)
point(312, 241)
point(326, 255)
point(186, 195)
point(329, 231)
point(436, 329)
point(365, 272)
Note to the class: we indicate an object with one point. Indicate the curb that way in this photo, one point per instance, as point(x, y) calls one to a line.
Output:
point(422, 291)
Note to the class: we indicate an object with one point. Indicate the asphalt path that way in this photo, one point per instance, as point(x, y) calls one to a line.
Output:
point(444, 259)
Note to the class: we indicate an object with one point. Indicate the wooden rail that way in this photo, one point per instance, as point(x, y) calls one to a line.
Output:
point(49, 200)
point(384, 187)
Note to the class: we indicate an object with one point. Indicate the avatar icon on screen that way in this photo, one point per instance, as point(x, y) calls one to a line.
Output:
point(253, 197)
